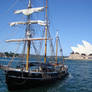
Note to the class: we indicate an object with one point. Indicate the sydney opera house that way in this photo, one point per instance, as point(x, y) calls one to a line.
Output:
point(83, 51)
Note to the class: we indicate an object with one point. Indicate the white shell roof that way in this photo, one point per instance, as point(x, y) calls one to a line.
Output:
point(86, 48)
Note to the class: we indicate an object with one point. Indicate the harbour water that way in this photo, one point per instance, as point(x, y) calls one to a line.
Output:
point(79, 79)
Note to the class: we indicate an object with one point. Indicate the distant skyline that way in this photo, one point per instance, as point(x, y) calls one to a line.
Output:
point(71, 18)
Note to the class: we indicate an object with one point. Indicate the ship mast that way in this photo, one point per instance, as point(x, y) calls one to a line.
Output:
point(28, 35)
point(46, 28)
point(28, 12)
point(57, 38)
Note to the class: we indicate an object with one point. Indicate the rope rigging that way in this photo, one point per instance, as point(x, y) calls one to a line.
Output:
point(37, 49)
point(38, 46)
point(15, 2)
point(61, 51)
point(13, 55)
point(51, 44)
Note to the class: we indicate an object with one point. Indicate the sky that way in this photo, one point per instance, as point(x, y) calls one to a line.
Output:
point(71, 18)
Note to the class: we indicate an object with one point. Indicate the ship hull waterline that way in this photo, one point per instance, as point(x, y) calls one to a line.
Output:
point(33, 81)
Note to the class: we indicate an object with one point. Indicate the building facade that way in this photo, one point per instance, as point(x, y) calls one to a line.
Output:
point(83, 51)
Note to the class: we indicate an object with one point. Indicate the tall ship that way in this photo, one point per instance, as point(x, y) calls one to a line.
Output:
point(29, 74)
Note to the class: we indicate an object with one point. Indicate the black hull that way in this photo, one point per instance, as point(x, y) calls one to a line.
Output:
point(26, 82)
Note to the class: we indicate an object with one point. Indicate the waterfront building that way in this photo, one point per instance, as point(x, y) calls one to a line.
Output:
point(83, 51)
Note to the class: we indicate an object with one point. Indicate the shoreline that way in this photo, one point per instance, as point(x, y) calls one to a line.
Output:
point(78, 59)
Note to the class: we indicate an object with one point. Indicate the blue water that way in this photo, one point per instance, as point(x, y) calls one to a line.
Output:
point(79, 79)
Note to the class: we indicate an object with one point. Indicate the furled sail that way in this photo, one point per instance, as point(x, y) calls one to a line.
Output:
point(29, 11)
point(40, 22)
point(27, 39)
point(16, 23)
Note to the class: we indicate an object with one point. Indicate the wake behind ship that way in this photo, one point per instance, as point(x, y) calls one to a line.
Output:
point(33, 74)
